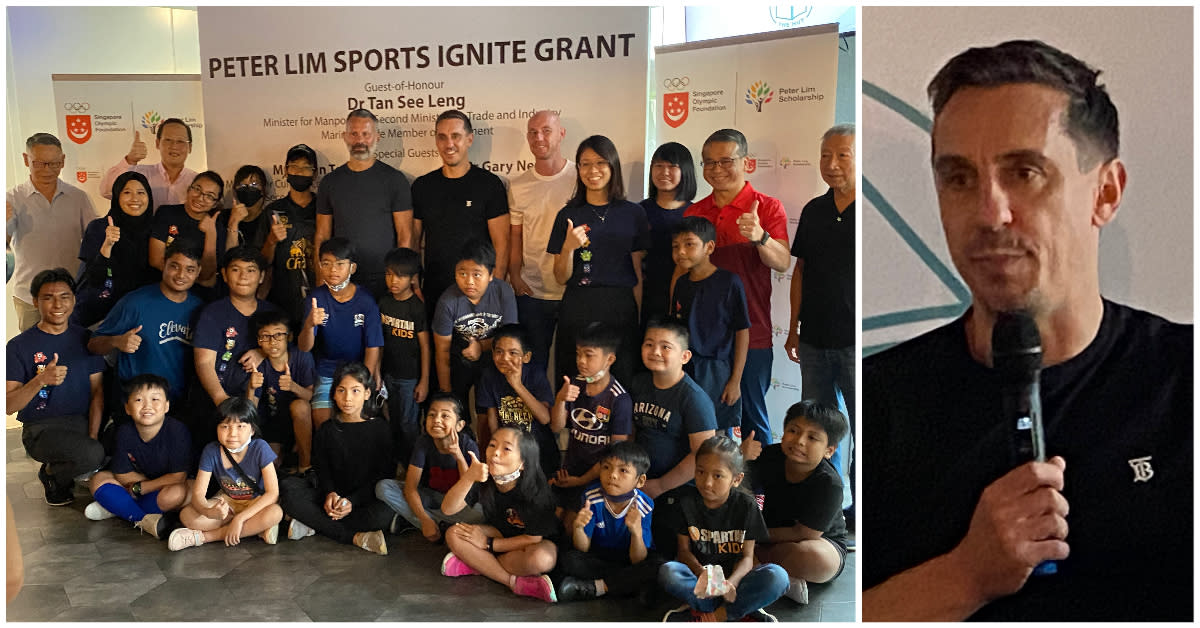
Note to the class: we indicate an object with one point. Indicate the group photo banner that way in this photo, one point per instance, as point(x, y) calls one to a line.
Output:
point(98, 115)
point(266, 89)
point(779, 90)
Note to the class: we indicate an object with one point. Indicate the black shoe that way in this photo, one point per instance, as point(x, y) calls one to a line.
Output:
point(572, 589)
point(56, 495)
point(399, 525)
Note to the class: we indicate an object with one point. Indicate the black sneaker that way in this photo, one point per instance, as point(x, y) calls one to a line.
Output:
point(571, 589)
point(55, 495)
point(399, 525)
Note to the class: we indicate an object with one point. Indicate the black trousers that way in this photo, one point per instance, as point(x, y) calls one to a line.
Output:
point(304, 502)
point(621, 578)
point(63, 444)
point(613, 306)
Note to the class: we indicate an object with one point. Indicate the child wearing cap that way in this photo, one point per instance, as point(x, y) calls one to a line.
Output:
point(288, 246)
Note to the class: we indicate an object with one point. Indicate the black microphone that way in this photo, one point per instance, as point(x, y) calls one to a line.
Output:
point(1017, 358)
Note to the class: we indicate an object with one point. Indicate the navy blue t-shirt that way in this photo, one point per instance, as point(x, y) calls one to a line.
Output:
point(170, 451)
point(494, 391)
point(222, 328)
point(352, 328)
point(439, 470)
point(167, 326)
point(271, 400)
point(615, 231)
point(714, 310)
point(28, 354)
point(593, 421)
point(663, 420)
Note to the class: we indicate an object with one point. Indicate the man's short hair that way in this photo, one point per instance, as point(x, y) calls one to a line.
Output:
point(265, 317)
point(185, 247)
point(599, 335)
point(362, 113)
point(514, 331)
point(159, 129)
point(480, 251)
point(49, 276)
point(672, 325)
point(455, 114)
point(244, 253)
point(824, 415)
point(629, 452)
point(403, 262)
point(42, 139)
point(141, 382)
point(730, 135)
point(339, 248)
point(700, 227)
point(839, 130)
point(1091, 118)
point(302, 151)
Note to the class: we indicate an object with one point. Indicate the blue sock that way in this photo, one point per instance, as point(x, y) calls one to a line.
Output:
point(149, 503)
point(119, 502)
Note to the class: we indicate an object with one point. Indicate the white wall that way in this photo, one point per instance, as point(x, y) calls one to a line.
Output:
point(82, 40)
point(1146, 56)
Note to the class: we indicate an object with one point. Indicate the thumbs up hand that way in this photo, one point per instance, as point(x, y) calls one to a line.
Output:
point(576, 237)
point(285, 380)
point(137, 151)
point(317, 316)
point(112, 235)
point(569, 392)
point(750, 447)
point(53, 374)
point(478, 470)
point(129, 341)
point(278, 229)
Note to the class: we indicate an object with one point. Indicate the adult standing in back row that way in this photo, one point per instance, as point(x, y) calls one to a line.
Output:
point(365, 201)
point(169, 178)
point(455, 203)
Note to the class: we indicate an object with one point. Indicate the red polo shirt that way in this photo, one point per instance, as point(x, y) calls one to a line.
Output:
point(738, 255)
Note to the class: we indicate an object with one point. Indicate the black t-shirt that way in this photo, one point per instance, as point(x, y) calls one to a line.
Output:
point(362, 204)
point(351, 457)
point(1116, 412)
point(291, 277)
point(814, 502)
point(825, 241)
point(402, 322)
point(615, 231)
point(451, 212)
point(514, 516)
point(658, 265)
point(716, 536)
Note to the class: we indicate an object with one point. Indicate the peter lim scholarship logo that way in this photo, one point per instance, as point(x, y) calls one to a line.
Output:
point(150, 120)
point(759, 94)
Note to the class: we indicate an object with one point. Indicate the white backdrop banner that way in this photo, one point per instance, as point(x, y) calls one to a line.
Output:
point(267, 89)
point(779, 90)
point(99, 113)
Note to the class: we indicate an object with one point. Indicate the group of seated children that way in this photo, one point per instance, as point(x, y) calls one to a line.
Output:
point(516, 512)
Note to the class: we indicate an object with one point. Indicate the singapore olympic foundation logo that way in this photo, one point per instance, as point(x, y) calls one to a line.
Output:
point(675, 109)
point(676, 82)
point(76, 107)
point(79, 128)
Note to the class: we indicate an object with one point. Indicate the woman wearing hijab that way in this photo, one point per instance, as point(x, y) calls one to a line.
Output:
point(114, 250)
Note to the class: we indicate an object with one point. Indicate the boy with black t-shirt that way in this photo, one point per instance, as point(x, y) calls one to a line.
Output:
point(288, 247)
point(803, 496)
point(712, 303)
point(405, 348)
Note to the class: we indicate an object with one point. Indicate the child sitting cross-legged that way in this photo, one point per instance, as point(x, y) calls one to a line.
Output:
point(247, 504)
point(611, 534)
point(148, 472)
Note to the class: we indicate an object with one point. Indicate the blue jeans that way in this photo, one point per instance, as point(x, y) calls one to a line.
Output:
point(391, 492)
point(539, 317)
point(404, 416)
point(760, 588)
point(824, 373)
point(756, 378)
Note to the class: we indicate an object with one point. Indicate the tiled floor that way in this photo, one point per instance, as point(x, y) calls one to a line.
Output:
point(80, 570)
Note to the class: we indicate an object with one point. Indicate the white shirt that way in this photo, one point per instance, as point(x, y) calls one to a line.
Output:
point(46, 234)
point(534, 202)
point(165, 192)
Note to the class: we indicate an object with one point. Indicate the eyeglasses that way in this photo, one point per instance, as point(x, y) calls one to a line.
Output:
point(584, 165)
point(280, 337)
point(250, 184)
point(208, 196)
point(166, 141)
point(52, 165)
point(725, 163)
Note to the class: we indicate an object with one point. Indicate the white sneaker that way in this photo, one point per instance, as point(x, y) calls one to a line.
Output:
point(184, 537)
point(96, 512)
point(797, 591)
point(297, 530)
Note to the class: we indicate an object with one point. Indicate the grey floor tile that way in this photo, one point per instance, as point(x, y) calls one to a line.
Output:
point(837, 611)
point(269, 577)
point(108, 613)
point(339, 599)
point(211, 560)
point(179, 599)
point(121, 579)
point(38, 602)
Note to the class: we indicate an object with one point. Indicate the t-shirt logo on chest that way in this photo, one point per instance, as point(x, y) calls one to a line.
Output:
point(360, 320)
point(468, 203)
point(513, 518)
point(1142, 471)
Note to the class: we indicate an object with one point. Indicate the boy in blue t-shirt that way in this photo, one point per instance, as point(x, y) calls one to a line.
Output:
point(466, 316)
point(147, 475)
point(595, 409)
point(611, 534)
point(711, 301)
point(281, 387)
point(54, 386)
point(405, 348)
point(517, 395)
point(342, 324)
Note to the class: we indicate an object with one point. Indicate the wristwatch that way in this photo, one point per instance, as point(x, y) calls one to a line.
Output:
point(136, 489)
point(763, 240)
